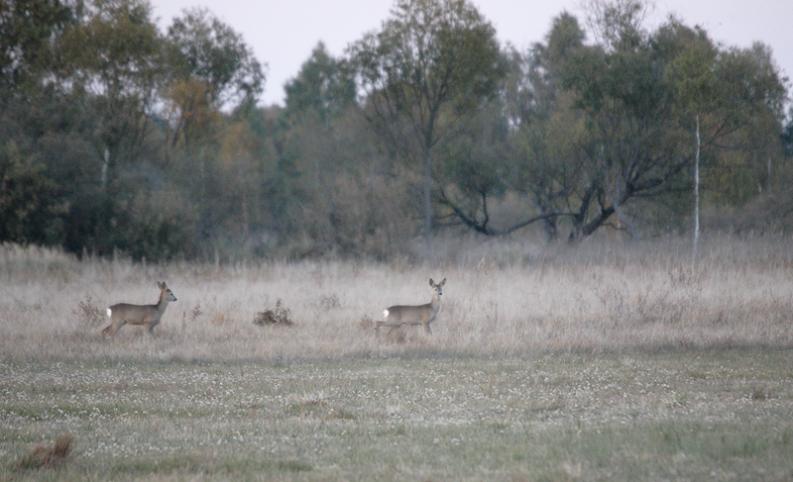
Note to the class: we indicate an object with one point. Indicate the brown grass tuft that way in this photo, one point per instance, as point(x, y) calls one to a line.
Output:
point(329, 302)
point(45, 456)
point(280, 315)
point(366, 323)
point(318, 408)
point(396, 335)
point(760, 394)
point(89, 313)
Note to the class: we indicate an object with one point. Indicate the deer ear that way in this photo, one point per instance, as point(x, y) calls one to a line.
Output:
point(442, 282)
point(431, 282)
point(161, 285)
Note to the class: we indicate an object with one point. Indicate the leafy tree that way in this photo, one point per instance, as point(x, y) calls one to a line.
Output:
point(26, 30)
point(432, 64)
point(323, 87)
point(113, 63)
point(28, 206)
point(607, 125)
point(787, 135)
point(206, 49)
point(475, 166)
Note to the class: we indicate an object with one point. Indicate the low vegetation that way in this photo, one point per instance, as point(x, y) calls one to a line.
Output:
point(679, 414)
point(47, 456)
point(610, 361)
point(511, 298)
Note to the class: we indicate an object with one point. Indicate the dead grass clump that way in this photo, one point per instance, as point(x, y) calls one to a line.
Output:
point(89, 313)
point(395, 335)
point(318, 408)
point(196, 312)
point(220, 318)
point(760, 394)
point(280, 316)
point(44, 456)
point(329, 302)
point(366, 323)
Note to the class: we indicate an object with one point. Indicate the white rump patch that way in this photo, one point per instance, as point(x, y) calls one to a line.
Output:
point(109, 313)
point(385, 313)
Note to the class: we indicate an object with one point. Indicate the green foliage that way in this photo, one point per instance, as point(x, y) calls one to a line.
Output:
point(120, 137)
point(323, 87)
point(433, 63)
point(28, 200)
point(608, 126)
point(204, 47)
point(26, 26)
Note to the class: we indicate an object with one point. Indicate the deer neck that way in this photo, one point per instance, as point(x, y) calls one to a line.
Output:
point(436, 302)
point(162, 303)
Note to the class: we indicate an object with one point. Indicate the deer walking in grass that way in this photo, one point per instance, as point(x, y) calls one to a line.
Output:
point(147, 315)
point(414, 315)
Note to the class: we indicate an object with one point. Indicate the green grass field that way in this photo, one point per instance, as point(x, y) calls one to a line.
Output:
point(683, 415)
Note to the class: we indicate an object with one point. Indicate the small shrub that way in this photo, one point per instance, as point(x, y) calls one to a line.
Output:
point(43, 456)
point(329, 302)
point(280, 315)
point(195, 312)
point(193, 315)
point(88, 313)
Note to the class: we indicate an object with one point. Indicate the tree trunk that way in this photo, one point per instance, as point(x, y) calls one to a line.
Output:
point(696, 192)
point(768, 176)
point(427, 197)
point(105, 168)
point(551, 229)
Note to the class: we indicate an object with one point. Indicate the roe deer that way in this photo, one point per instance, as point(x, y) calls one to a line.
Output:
point(399, 315)
point(148, 315)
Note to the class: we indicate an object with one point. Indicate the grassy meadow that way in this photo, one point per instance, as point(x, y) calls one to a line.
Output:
point(609, 361)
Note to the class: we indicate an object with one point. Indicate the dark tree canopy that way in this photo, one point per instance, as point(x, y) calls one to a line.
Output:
point(118, 136)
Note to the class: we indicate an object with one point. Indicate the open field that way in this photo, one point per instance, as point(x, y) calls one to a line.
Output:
point(604, 362)
point(690, 415)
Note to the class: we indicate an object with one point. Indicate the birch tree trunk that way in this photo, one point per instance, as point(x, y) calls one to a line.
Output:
point(696, 192)
point(105, 167)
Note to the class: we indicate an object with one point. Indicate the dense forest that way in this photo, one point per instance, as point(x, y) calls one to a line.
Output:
point(117, 136)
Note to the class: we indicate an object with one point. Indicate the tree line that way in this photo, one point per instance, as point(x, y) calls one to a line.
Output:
point(119, 136)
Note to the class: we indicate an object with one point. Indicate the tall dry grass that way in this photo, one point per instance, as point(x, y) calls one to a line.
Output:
point(509, 297)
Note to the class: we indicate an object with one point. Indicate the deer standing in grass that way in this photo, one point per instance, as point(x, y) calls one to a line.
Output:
point(402, 315)
point(148, 315)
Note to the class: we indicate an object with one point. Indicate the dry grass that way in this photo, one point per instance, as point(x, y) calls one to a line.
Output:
point(278, 315)
point(512, 299)
point(606, 362)
point(45, 456)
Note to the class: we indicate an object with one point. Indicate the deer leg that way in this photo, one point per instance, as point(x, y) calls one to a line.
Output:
point(116, 325)
point(427, 328)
